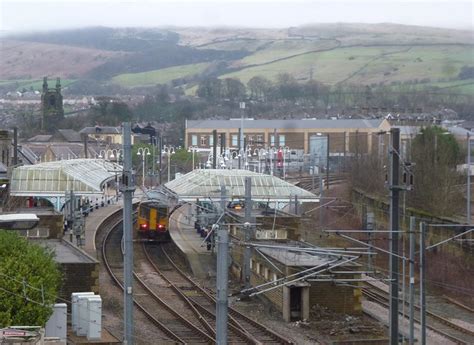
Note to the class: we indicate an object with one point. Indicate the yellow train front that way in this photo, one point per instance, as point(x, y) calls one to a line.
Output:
point(152, 221)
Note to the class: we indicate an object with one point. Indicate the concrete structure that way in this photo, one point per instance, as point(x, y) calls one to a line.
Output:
point(345, 136)
point(57, 323)
point(50, 225)
point(268, 265)
point(80, 270)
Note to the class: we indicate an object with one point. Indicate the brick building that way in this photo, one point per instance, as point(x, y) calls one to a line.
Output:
point(345, 137)
point(273, 265)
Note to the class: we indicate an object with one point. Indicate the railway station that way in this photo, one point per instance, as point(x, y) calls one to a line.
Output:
point(271, 263)
point(276, 233)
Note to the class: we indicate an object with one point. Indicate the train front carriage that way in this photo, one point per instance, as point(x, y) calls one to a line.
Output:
point(152, 221)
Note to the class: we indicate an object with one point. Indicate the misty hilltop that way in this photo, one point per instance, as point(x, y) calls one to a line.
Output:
point(329, 53)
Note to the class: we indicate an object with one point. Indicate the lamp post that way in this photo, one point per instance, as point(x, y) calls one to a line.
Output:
point(271, 151)
point(117, 155)
point(168, 151)
point(143, 151)
point(234, 156)
point(248, 157)
point(193, 149)
point(284, 150)
point(260, 153)
point(111, 155)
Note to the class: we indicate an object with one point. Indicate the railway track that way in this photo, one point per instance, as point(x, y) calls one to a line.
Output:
point(308, 182)
point(240, 326)
point(176, 327)
point(436, 323)
point(195, 321)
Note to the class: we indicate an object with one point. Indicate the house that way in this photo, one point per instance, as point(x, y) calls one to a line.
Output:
point(106, 135)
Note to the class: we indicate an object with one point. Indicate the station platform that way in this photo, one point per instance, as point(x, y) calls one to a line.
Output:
point(94, 220)
point(190, 243)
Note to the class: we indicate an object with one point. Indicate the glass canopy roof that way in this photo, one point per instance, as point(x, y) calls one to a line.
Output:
point(83, 176)
point(203, 183)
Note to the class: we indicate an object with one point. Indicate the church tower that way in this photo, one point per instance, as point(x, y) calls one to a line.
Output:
point(51, 105)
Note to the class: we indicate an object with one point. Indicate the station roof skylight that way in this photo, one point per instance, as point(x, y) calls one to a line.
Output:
point(206, 183)
point(83, 176)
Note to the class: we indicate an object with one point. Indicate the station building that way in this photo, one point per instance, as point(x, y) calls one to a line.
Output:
point(278, 258)
point(278, 253)
point(345, 136)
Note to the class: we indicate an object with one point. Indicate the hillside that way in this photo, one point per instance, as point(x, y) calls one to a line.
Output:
point(330, 53)
point(33, 60)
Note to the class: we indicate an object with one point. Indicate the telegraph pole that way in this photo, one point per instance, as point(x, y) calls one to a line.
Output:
point(241, 143)
point(222, 277)
point(394, 227)
point(468, 196)
point(214, 149)
point(321, 191)
point(127, 189)
point(247, 230)
point(15, 147)
point(412, 282)
point(422, 283)
point(241, 133)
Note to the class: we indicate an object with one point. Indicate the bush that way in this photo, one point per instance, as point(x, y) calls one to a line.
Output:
point(29, 281)
point(466, 72)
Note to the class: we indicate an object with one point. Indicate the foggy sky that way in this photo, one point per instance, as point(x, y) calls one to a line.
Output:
point(22, 15)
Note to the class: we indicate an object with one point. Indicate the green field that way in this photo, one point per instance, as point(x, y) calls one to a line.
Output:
point(159, 76)
point(236, 44)
point(366, 65)
point(282, 49)
point(36, 84)
point(465, 87)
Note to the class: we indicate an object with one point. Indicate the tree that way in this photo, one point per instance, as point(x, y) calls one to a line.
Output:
point(436, 154)
point(210, 89)
point(288, 87)
point(466, 72)
point(234, 89)
point(29, 282)
point(162, 94)
point(259, 87)
point(110, 111)
point(183, 160)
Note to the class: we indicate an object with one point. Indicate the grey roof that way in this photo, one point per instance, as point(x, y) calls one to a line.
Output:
point(282, 124)
point(65, 252)
point(41, 138)
point(25, 153)
point(70, 135)
point(101, 130)
point(460, 132)
point(408, 130)
point(36, 149)
point(206, 183)
point(468, 125)
point(63, 152)
point(84, 176)
point(295, 258)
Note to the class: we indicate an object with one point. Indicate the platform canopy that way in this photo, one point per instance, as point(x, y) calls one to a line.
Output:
point(83, 176)
point(206, 183)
